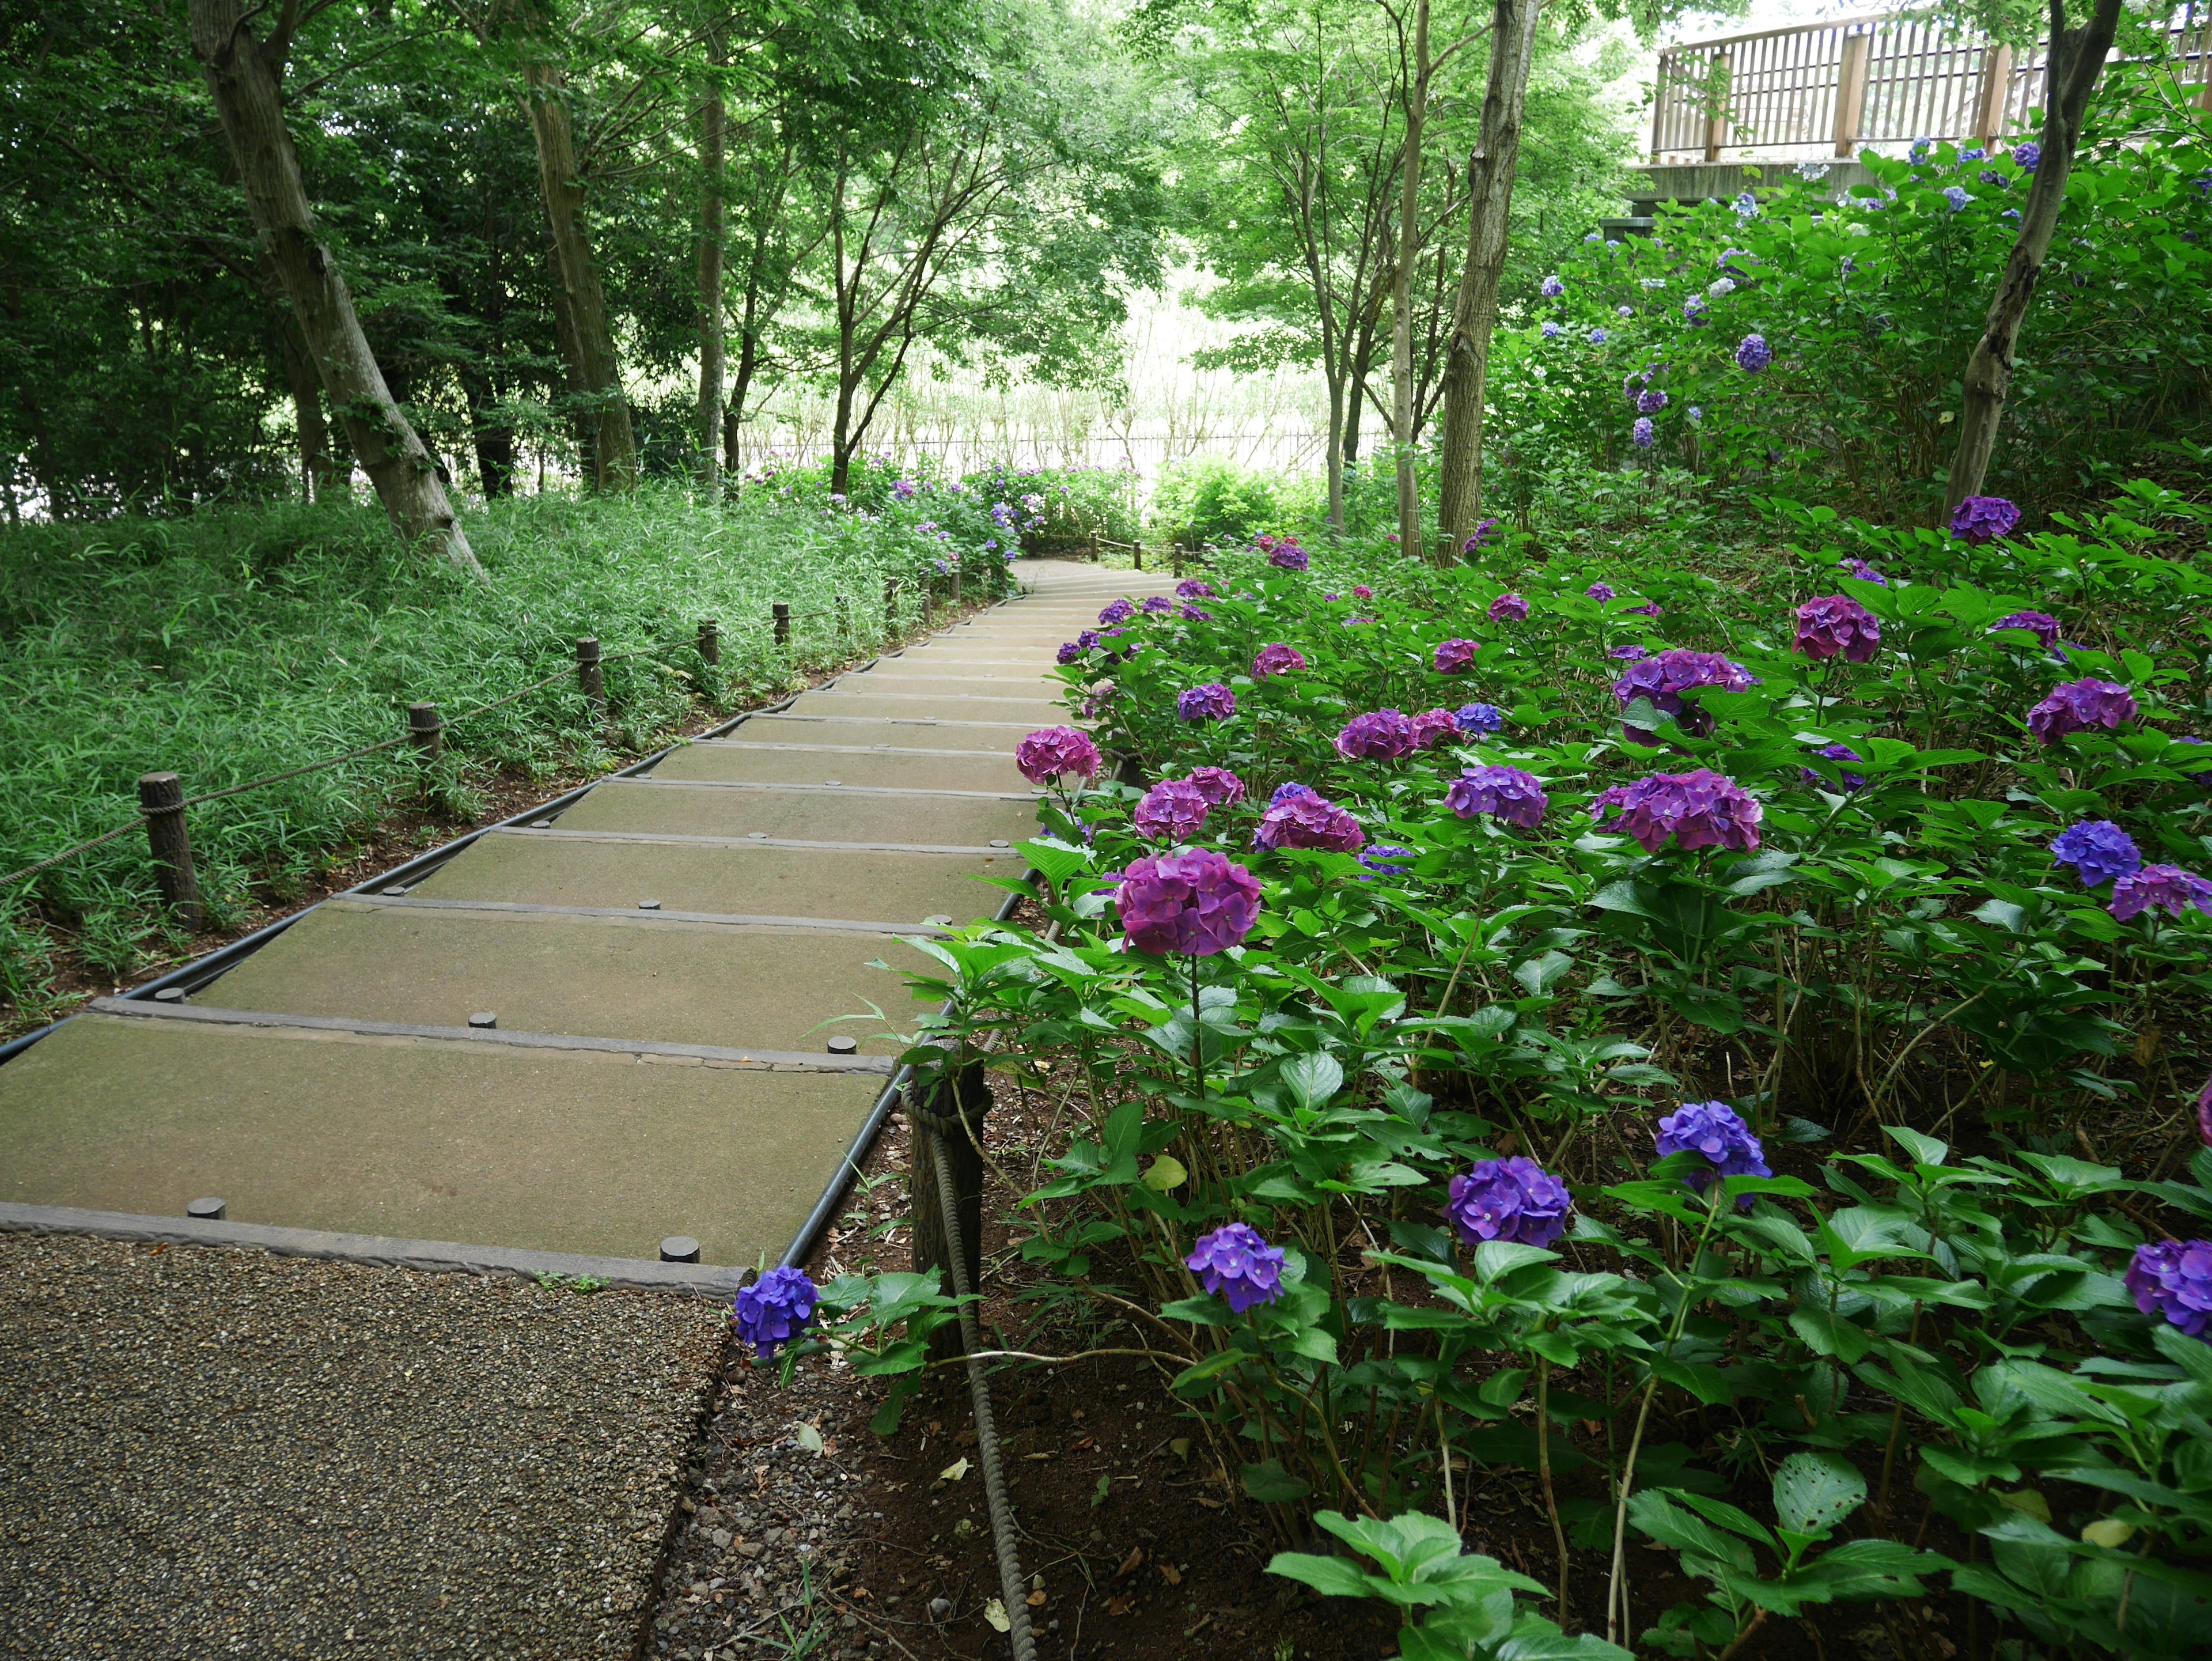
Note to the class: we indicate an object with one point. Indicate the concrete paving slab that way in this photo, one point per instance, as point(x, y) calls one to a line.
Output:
point(913, 732)
point(633, 976)
point(792, 763)
point(919, 683)
point(733, 878)
point(838, 701)
point(815, 814)
point(556, 1150)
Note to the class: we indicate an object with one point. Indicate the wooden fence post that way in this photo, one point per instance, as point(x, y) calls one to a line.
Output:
point(953, 1105)
point(710, 640)
point(1094, 547)
point(427, 730)
point(591, 678)
point(162, 799)
point(780, 610)
point(1175, 556)
point(1137, 555)
point(1851, 91)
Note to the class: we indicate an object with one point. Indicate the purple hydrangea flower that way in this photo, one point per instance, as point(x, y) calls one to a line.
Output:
point(2173, 1279)
point(1503, 793)
point(1193, 588)
point(1597, 337)
point(1984, 519)
point(1713, 1130)
point(1753, 354)
point(1476, 719)
point(1643, 434)
point(1289, 793)
point(1277, 660)
point(1630, 654)
point(1234, 1263)
point(1220, 787)
point(2080, 705)
point(1667, 678)
point(773, 1311)
point(1361, 591)
point(1957, 197)
point(1191, 614)
point(1599, 591)
point(1433, 729)
point(1172, 810)
point(2167, 888)
point(1838, 626)
point(1157, 604)
point(1050, 751)
point(2041, 624)
point(1212, 702)
point(1694, 309)
point(1551, 329)
point(1385, 858)
point(1069, 651)
point(1836, 752)
point(1509, 608)
point(1864, 572)
point(1514, 1199)
point(2025, 155)
point(2098, 849)
point(1624, 310)
point(1650, 402)
point(1698, 809)
point(1287, 555)
point(1195, 903)
point(1456, 656)
point(1484, 535)
point(1649, 609)
point(1381, 735)
point(1119, 611)
point(1552, 288)
point(1307, 820)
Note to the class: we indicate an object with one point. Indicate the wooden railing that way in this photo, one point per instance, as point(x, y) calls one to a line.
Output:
point(1833, 88)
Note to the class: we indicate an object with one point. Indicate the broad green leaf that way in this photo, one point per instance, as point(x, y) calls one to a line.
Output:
point(1814, 1491)
point(1312, 1079)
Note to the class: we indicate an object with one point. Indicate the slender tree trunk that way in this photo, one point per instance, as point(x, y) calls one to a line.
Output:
point(582, 421)
point(244, 73)
point(1474, 309)
point(614, 449)
point(2077, 57)
point(710, 283)
point(491, 434)
point(316, 476)
point(1401, 287)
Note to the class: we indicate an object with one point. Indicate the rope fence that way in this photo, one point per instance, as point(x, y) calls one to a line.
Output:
point(163, 802)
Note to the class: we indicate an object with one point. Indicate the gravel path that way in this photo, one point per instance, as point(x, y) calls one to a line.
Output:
point(212, 1453)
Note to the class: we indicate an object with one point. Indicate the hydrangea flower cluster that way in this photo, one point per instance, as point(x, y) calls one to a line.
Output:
point(1308, 820)
point(1836, 752)
point(1157, 604)
point(1552, 288)
point(1694, 309)
point(1630, 654)
point(2025, 155)
point(2041, 624)
point(1714, 1131)
point(1434, 728)
point(2172, 1279)
point(1599, 591)
point(2098, 849)
point(1508, 793)
point(1957, 197)
point(1385, 858)
point(1836, 625)
point(1699, 809)
point(1172, 810)
point(773, 1310)
point(1277, 659)
point(1514, 1199)
point(1984, 519)
point(1381, 735)
point(1454, 656)
point(1864, 572)
point(2167, 888)
point(1052, 752)
point(1668, 677)
point(1234, 1263)
point(1485, 534)
point(2077, 706)
point(1509, 608)
point(1283, 553)
point(1118, 610)
point(1195, 903)
point(1753, 354)
point(1196, 588)
point(1650, 402)
point(1641, 434)
point(1212, 702)
point(1220, 787)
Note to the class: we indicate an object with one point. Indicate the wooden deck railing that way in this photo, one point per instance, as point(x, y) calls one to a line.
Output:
point(1834, 88)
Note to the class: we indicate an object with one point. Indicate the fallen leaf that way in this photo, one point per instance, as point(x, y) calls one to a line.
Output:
point(1077, 1447)
point(810, 1438)
point(1120, 1604)
point(953, 1472)
point(996, 1613)
point(1213, 1504)
point(1131, 1564)
point(1180, 1447)
point(1035, 1600)
point(1170, 1573)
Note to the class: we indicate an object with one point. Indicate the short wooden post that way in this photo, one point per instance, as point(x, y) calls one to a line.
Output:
point(1175, 556)
point(780, 610)
point(1137, 555)
point(953, 1105)
point(1850, 89)
point(1990, 96)
point(1094, 547)
point(591, 678)
point(427, 730)
point(162, 799)
point(710, 640)
point(891, 608)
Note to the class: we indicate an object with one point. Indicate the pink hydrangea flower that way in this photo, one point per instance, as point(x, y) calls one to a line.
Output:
point(1196, 903)
point(1051, 751)
point(1307, 820)
point(2080, 705)
point(1838, 626)
point(1455, 657)
point(1509, 608)
point(1220, 787)
point(1277, 660)
point(1172, 810)
point(1433, 729)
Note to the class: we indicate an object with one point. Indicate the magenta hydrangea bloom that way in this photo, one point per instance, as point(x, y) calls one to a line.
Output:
point(1307, 820)
point(1172, 810)
point(1277, 660)
point(1984, 519)
point(1052, 751)
point(2080, 705)
point(1753, 354)
point(1838, 626)
point(1433, 729)
point(1361, 591)
point(1698, 809)
point(2098, 849)
point(1197, 589)
point(1212, 702)
point(1380, 735)
point(2173, 1279)
point(1600, 591)
point(2167, 888)
point(1630, 654)
point(1235, 1263)
point(1119, 610)
point(1195, 903)
point(773, 1310)
point(1485, 534)
point(1714, 1131)
point(1455, 657)
point(1476, 719)
point(1505, 793)
point(1220, 787)
point(1514, 1199)
point(1835, 752)
point(1668, 677)
point(2041, 624)
point(1286, 555)
point(1509, 608)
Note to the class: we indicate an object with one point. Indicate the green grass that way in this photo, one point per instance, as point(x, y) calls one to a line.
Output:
point(238, 643)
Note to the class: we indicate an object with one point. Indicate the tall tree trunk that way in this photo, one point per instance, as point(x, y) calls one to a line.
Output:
point(2077, 57)
point(491, 434)
point(318, 477)
point(1474, 309)
point(614, 448)
point(710, 282)
point(244, 73)
point(1401, 287)
point(583, 421)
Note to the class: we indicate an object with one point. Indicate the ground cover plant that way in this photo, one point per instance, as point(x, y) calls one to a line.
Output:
point(1736, 1053)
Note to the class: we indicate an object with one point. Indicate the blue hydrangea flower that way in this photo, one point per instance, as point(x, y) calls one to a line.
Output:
point(1714, 1132)
point(2024, 156)
point(1643, 434)
point(1476, 719)
point(1552, 288)
point(1514, 1199)
point(1957, 197)
point(2098, 849)
point(1235, 1263)
point(1551, 329)
point(1753, 354)
point(773, 1310)
point(1597, 337)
